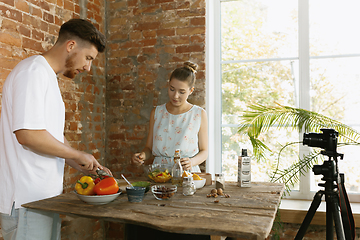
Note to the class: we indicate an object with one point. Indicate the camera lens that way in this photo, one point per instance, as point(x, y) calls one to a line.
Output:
point(314, 140)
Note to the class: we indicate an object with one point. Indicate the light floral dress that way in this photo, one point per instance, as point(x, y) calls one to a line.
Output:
point(173, 132)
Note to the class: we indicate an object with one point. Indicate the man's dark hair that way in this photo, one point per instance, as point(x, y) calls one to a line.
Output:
point(84, 30)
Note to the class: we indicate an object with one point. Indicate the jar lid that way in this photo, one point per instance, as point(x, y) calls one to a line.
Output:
point(187, 179)
point(219, 174)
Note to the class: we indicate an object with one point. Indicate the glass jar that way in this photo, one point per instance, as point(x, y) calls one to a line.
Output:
point(188, 185)
point(219, 181)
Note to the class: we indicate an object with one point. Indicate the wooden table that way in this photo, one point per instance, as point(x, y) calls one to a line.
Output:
point(248, 213)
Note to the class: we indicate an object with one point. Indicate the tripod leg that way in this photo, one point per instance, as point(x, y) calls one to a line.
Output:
point(340, 234)
point(309, 216)
point(329, 218)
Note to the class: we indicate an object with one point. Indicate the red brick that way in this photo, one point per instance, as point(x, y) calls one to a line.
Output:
point(200, 21)
point(190, 31)
point(9, 25)
point(97, 118)
point(149, 50)
point(165, 32)
point(144, 10)
point(149, 42)
point(168, 6)
point(90, 15)
point(135, 35)
point(147, 2)
point(132, 3)
point(117, 5)
point(73, 126)
point(183, 5)
point(147, 26)
point(118, 36)
point(60, 3)
point(98, 18)
point(8, 2)
point(149, 33)
point(48, 17)
point(77, 9)
point(8, 63)
point(36, 12)
point(44, 5)
point(192, 12)
point(22, 6)
point(175, 23)
point(10, 13)
point(68, 5)
point(10, 38)
point(197, 39)
point(93, 8)
point(198, 4)
point(162, 1)
point(176, 40)
point(24, 31)
point(120, 70)
point(5, 52)
point(37, 35)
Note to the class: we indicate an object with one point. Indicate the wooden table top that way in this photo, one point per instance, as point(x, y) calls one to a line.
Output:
point(248, 213)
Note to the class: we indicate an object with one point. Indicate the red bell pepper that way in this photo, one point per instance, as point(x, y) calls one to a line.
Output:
point(106, 186)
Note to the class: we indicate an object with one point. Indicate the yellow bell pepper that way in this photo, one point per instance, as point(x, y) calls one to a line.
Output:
point(85, 186)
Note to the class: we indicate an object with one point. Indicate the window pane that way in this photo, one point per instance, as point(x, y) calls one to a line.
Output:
point(256, 83)
point(335, 93)
point(258, 29)
point(333, 27)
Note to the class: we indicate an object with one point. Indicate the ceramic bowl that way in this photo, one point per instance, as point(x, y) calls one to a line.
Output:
point(200, 183)
point(153, 172)
point(144, 184)
point(98, 199)
point(135, 194)
point(163, 192)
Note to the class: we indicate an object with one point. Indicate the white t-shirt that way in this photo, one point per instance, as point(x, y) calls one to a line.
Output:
point(31, 99)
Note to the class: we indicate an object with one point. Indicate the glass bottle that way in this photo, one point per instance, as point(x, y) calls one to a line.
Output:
point(219, 181)
point(189, 187)
point(177, 170)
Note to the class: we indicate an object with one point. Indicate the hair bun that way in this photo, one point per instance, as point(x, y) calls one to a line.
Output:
point(191, 66)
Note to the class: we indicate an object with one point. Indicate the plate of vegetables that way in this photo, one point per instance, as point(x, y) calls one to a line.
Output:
point(100, 191)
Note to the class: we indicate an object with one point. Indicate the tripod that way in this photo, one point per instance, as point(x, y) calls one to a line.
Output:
point(330, 172)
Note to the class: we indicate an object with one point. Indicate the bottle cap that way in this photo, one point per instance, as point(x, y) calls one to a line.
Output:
point(244, 152)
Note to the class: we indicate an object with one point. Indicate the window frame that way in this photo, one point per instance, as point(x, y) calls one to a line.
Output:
point(213, 94)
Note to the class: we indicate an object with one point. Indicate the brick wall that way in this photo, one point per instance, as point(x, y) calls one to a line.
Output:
point(30, 27)
point(147, 40)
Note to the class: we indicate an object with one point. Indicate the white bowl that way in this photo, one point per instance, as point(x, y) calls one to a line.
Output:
point(98, 199)
point(200, 183)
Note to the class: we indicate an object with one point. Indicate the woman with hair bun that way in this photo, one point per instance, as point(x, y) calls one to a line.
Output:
point(177, 124)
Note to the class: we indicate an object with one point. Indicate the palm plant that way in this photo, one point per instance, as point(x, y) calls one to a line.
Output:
point(259, 119)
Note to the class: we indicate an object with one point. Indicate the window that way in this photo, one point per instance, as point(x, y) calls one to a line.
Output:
point(282, 51)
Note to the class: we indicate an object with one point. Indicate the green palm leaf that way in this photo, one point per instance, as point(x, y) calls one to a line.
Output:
point(259, 119)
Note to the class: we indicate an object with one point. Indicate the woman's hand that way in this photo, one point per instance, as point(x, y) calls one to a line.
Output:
point(138, 159)
point(186, 163)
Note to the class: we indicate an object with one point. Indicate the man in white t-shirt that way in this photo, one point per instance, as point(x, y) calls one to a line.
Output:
point(33, 149)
